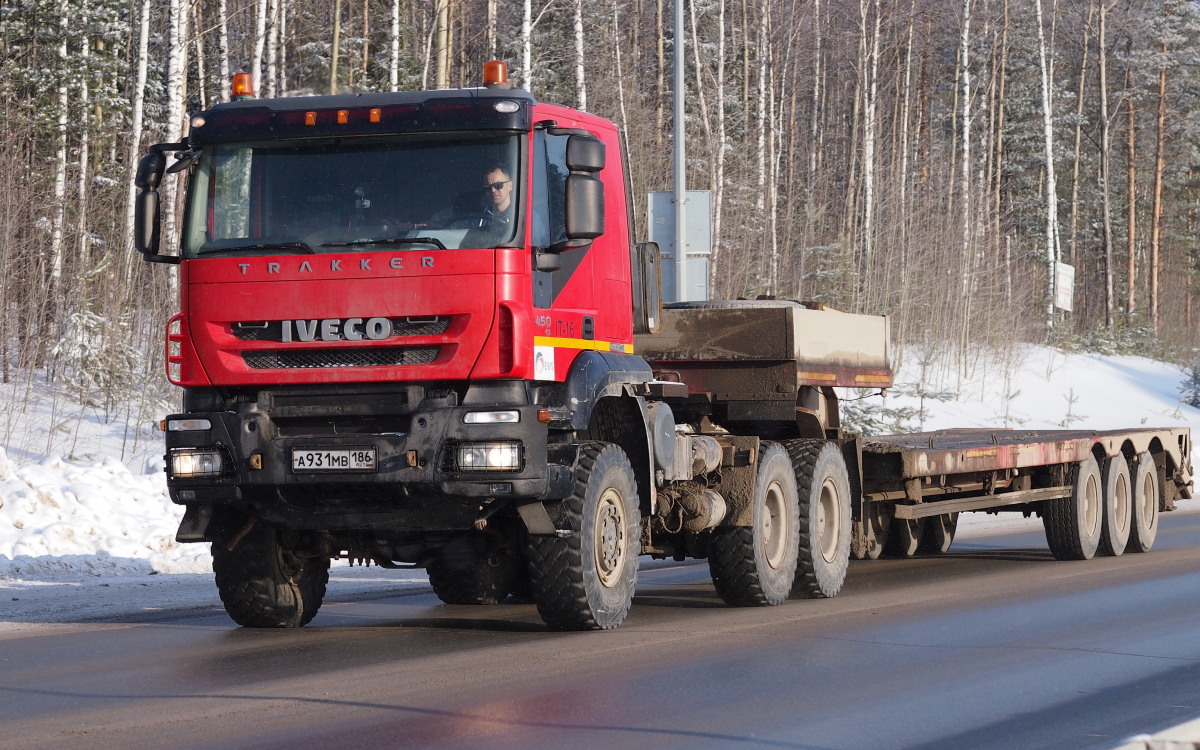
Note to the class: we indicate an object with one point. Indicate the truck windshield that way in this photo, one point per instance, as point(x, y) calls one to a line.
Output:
point(446, 190)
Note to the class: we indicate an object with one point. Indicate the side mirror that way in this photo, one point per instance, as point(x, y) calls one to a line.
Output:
point(145, 205)
point(647, 288)
point(585, 208)
point(145, 222)
point(150, 171)
point(585, 153)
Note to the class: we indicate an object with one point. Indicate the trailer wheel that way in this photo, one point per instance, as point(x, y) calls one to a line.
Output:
point(1073, 523)
point(754, 566)
point(904, 538)
point(938, 534)
point(460, 575)
point(1118, 506)
point(1145, 505)
point(265, 583)
point(869, 536)
point(585, 579)
point(825, 518)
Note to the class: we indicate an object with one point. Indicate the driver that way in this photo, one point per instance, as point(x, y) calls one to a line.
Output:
point(495, 225)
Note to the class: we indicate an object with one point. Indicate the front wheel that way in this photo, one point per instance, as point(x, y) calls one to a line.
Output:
point(585, 578)
point(267, 580)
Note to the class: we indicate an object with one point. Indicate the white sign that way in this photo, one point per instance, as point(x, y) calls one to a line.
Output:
point(543, 363)
point(1064, 286)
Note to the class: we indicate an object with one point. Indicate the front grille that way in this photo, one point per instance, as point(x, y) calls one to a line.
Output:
point(272, 330)
point(357, 357)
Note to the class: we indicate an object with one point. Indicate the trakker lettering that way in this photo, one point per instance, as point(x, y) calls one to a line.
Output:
point(334, 329)
point(335, 264)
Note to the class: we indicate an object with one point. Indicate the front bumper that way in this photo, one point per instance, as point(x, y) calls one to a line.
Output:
point(415, 483)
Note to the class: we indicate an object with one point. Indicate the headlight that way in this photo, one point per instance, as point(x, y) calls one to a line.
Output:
point(189, 463)
point(496, 456)
point(492, 417)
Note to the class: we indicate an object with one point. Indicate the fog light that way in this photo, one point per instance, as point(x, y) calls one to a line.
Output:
point(492, 417)
point(498, 456)
point(187, 425)
point(188, 463)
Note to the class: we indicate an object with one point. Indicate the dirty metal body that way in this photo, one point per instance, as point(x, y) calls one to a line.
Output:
point(770, 364)
point(975, 469)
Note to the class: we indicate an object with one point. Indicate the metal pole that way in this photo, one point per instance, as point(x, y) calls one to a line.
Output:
point(681, 290)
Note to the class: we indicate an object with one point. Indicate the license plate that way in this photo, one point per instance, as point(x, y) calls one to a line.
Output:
point(354, 459)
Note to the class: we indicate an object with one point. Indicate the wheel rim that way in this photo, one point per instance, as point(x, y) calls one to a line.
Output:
point(1091, 506)
point(1146, 501)
point(610, 542)
point(774, 525)
point(1121, 505)
point(829, 522)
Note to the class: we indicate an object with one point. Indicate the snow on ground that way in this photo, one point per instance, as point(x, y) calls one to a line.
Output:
point(91, 538)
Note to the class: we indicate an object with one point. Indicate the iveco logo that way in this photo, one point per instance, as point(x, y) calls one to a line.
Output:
point(335, 329)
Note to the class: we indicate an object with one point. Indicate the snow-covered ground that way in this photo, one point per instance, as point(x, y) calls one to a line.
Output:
point(92, 537)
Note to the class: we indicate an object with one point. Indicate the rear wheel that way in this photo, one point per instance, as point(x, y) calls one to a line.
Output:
point(825, 518)
point(1144, 529)
point(1073, 523)
point(938, 534)
point(904, 537)
point(1118, 506)
point(753, 566)
point(266, 580)
point(585, 579)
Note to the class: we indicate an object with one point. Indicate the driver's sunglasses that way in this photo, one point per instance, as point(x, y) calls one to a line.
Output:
point(496, 185)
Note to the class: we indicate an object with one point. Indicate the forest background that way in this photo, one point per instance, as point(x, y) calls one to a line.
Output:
point(933, 161)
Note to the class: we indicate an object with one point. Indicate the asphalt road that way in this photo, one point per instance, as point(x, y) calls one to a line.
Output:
point(994, 645)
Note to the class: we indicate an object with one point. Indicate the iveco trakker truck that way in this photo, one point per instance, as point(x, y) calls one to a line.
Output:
point(416, 330)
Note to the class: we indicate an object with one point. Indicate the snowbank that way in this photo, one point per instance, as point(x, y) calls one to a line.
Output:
point(62, 519)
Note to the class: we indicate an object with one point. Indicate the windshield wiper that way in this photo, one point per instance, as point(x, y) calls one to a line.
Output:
point(390, 241)
point(258, 246)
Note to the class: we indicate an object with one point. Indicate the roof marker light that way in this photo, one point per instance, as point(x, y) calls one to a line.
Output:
point(310, 118)
point(343, 116)
point(376, 114)
point(243, 86)
point(495, 73)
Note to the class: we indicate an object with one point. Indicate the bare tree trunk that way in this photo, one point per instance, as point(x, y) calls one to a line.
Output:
point(718, 179)
point(998, 193)
point(223, 89)
point(337, 43)
point(176, 81)
point(260, 39)
point(81, 185)
point(580, 82)
point(60, 159)
point(1131, 186)
point(1156, 210)
point(871, 95)
point(527, 47)
point(394, 62)
point(272, 87)
point(661, 87)
point(1105, 162)
point(1079, 101)
point(202, 81)
point(283, 38)
point(135, 136)
point(1051, 184)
